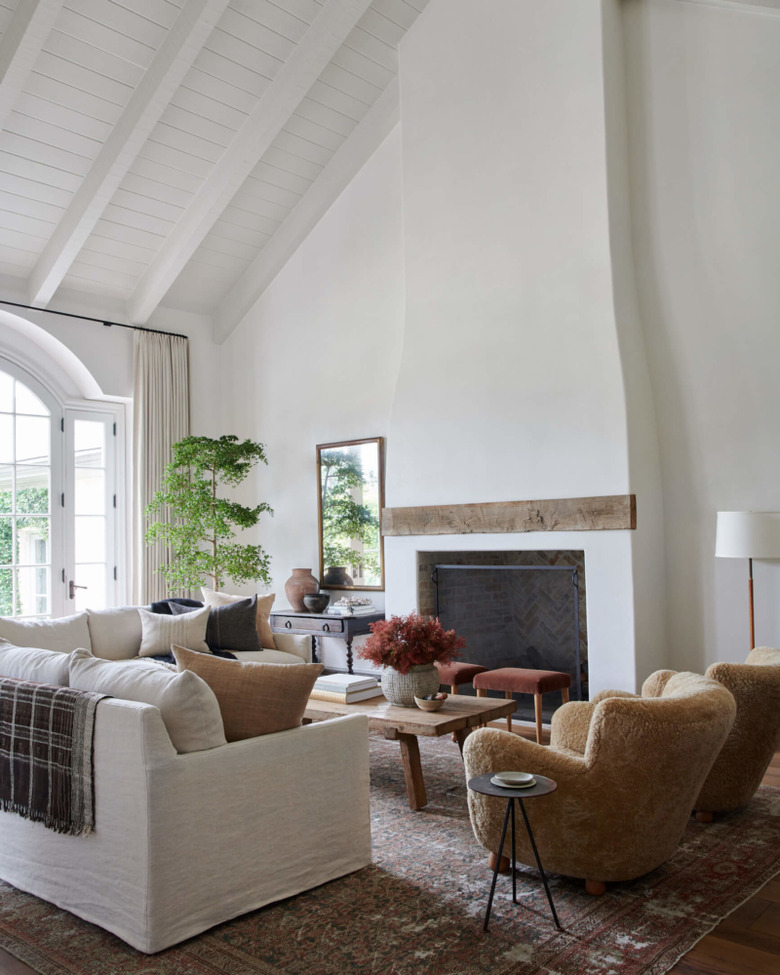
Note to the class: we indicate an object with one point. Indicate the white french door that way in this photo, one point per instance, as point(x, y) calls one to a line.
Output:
point(58, 502)
point(90, 571)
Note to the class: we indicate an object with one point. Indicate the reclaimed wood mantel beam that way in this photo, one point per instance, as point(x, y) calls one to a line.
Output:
point(607, 513)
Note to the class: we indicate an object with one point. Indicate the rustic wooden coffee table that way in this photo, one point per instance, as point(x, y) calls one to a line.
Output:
point(458, 716)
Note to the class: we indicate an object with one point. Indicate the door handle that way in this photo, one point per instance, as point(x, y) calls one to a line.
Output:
point(72, 587)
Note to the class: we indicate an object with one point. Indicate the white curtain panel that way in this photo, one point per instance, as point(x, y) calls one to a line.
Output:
point(161, 417)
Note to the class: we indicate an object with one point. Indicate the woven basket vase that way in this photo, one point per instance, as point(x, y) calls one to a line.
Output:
point(401, 689)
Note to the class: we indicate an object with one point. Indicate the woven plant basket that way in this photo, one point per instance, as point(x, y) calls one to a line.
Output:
point(401, 689)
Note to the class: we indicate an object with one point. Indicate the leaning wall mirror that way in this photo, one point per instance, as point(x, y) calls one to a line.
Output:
point(351, 496)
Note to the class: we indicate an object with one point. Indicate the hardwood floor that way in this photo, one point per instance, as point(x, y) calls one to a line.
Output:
point(745, 943)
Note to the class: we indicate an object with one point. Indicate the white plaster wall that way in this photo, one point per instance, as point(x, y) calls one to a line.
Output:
point(510, 384)
point(704, 104)
point(644, 460)
point(316, 359)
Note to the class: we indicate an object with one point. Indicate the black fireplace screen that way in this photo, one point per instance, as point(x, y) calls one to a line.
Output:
point(513, 615)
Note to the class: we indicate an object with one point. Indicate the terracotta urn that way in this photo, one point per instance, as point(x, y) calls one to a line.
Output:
point(297, 586)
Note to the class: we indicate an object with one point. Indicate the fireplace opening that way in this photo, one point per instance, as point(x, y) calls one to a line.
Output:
point(522, 609)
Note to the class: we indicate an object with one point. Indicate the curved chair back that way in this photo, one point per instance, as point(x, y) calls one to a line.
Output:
point(755, 735)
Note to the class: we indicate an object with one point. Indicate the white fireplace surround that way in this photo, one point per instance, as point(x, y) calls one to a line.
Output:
point(612, 659)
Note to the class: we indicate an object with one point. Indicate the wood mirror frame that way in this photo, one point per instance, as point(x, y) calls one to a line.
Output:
point(350, 498)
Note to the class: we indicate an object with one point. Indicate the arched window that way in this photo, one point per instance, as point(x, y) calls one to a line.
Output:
point(58, 501)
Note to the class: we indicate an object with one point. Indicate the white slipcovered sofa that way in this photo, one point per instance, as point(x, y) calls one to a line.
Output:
point(185, 841)
point(115, 634)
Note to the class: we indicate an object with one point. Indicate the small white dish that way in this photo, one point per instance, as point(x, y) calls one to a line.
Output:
point(513, 780)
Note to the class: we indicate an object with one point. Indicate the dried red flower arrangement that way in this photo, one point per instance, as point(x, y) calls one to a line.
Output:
point(403, 642)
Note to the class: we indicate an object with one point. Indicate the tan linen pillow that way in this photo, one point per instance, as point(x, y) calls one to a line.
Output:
point(255, 699)
point(264, 605)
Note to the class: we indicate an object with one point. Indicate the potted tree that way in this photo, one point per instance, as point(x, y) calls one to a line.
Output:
point(200, 525)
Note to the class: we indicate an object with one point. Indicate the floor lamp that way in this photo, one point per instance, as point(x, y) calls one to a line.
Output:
point(748, 535)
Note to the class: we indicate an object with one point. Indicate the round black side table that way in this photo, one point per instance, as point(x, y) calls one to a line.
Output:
point(542, 787)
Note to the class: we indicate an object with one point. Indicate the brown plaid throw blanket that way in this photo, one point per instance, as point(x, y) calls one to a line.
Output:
point(46, 754)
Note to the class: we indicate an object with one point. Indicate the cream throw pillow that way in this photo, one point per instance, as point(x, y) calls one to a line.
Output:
point(187, 705)
point(116, 633)
point(255, 699)
point(159, 631)
point(264, 606)
point(63, 634)
point(33, 663)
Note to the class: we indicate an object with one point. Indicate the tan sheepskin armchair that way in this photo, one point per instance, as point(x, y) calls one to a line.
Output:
point(754, 737)
point(621, 807)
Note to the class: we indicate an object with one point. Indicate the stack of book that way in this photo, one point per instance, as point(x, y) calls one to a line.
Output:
point(354, 606)
point(345, 688)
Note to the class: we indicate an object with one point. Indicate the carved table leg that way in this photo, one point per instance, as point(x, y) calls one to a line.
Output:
point(415, 786)
point(349, 655)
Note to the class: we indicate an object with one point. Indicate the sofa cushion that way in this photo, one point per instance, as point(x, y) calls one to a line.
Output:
point(264, 605)
point(64, 634)
point(34, 663)
point(255, 699)
point(115, 633)
point(158, 632)
point(230, 627)
point(186, 703)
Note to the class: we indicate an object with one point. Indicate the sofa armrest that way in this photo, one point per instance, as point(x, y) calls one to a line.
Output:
point(298, 644)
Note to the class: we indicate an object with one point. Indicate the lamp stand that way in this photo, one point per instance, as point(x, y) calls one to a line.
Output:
point(750, 596)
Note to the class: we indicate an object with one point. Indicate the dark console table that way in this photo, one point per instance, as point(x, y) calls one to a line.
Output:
point(324, 624)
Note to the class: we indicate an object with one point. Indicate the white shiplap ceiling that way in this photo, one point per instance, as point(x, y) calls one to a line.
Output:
point(176, 152)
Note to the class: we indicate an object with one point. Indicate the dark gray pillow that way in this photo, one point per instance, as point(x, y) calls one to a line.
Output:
point(231, 627)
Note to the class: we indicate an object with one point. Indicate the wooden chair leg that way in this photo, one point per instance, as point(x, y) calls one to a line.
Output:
point(481, 692)
point(595, 887)
point(509, 716)
point(503, 863)
point(538, 716)
point(565, 694)
point(454, 689)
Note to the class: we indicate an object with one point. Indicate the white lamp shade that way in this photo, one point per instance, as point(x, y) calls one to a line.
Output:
point(748, 535)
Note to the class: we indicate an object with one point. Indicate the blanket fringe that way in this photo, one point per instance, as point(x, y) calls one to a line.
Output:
point(50, 822)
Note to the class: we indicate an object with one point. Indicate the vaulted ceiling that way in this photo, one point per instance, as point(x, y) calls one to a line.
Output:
point(177, 152)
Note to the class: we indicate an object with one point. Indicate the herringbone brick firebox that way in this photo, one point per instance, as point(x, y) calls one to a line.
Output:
point(514, 609)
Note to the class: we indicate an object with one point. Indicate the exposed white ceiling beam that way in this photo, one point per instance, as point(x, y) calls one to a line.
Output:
point(181, 46)
point(304, 66)
point(345, 164)
point(27, 31)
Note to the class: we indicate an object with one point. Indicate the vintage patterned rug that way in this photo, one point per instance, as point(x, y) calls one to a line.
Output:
point(418, 909)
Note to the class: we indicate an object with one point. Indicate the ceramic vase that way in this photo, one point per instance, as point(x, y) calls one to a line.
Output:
point(401, 689)
point(337, 575)
point(316, 602)
point(300, 582)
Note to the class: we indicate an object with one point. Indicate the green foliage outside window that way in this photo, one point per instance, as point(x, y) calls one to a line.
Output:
point(197, 524)
point(27, 500)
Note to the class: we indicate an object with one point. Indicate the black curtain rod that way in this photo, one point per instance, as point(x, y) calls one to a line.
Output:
point(88, 318)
